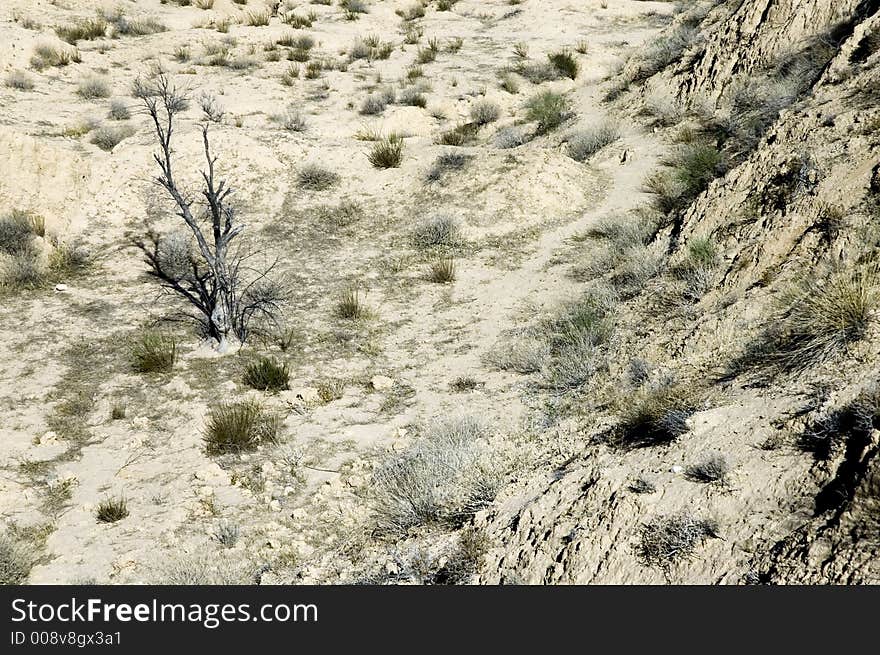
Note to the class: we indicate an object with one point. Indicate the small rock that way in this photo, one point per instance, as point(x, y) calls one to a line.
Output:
point(677, 469)
point(60, 287)
point(381, 382)
point(275, 506)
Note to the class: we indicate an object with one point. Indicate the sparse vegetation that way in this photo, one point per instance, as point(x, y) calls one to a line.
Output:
point(655, 416)
point(154, 352)
point(16, 559)
point(484, 112)
point(387, 153)
point(565, 63)
point(19, 80)
point(314, 177)
point(439, 230)
point(111, 510)
point(584, 144)
point(549, 110)
point(442, 270)
point(267, 374)
point(666, 540)
point(714, 468)
point(236, 427)
point(443, 478)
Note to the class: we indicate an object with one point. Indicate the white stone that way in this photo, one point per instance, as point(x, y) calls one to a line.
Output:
point(381, 382)
point(60, 287)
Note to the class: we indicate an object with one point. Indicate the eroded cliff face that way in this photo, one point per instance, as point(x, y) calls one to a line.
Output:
point(797, 203)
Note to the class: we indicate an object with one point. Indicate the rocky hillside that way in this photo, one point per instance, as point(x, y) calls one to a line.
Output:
point(770, 110)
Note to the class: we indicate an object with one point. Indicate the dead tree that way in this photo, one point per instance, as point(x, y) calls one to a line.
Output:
point(211, 277)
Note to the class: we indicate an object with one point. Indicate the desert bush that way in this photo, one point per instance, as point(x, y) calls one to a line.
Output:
point(661, 53)
point(508, 82)
point(350, 306)
point(82, 30)
point(143, 26)
point(93, 87)
point(576, 338)
point(484, 112)
point(119, 111)
point(439, 230)
point(442, 270)
point(461, 135)
point(537, 73)
point(565, 63)
point(291, 120)
point(548, 109)
point(525, 353)
point(375, 103)
point(23, 271)
point(655, 416)
point(713, 468)
point(414, 11)
point(687, 174)
point(666, 540)
point(445, 163)
point(203, 569)
point(413, 96)
point(235, 427)
point(17, 231)
point(697, 268)
point(227, 534)
point(111, 510)
point(511, 137)
point(46, 55)
point(387, 153)
point(586, 143)
point(818, 317)
point(19, 80)
point(267, 374)
point(16, 560)
point(444, 478)
point(341, 215)
point(257, 18)
point(314, 177)
point(108, 137)
point(154, 352)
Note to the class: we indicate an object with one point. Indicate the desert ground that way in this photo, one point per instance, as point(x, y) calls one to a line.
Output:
point(555, 292)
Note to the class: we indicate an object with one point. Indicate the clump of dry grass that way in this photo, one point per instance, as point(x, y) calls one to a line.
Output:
point(19, 80)
point(16, 559)
point(111, 510)
point(666, 540)
point(654, 416)
point(154, 352)
point(442, 270)
point(549, 110)
point(584, 144)
point(82, 30)
point(47, 55)
point(564, 62)
point(314, 177)
point(439, 230)
point(713, 468)
point(107, 137)
point(387, 153)
point(484, 112)
point(817, 317)
point(443, 478)
point(267, 374)
point(350, 305)
point(239, 426)
point(93, 87)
